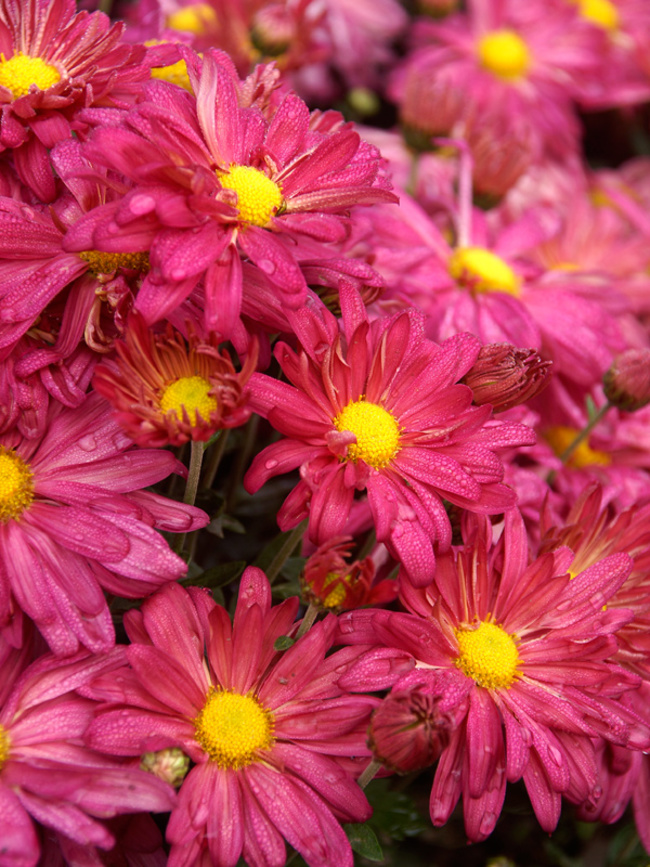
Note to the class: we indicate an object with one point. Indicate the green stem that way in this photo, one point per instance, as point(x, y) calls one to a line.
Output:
point(308, 620)
point(369, 773)
point(192, 484)
point(287, 549)
point(584, 433)
point(215, 459)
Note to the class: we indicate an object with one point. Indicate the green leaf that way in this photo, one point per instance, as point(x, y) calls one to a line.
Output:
point(284, 642)
point(364, 841)
point(394, 813)
point(217, 576)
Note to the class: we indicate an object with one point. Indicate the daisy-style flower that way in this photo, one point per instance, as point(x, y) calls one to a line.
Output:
point(268, 731)
point(74, 520)
point(166, 391)
point(378, 407)
point(537, 654)
point(50, 781)
point(236, 173)
point(53, 61)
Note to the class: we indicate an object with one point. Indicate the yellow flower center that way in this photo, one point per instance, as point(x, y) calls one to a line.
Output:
point(258, 197)
point(602, 13)
point(336, 596)
point(376, 430)
point(4, 746)
point(505, 54)
point(560, 438)
point(194, 18)
point(233, 728)
point(488, 655)
point(481, 270)
point(108, 263)
point(21, 71)
point(16, 485)
point(192, 394)
point(175, 73)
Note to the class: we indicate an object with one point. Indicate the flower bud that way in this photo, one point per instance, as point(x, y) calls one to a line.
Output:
point(505, 376)
point(627, 382)
point(273, 30)
point(170, 765)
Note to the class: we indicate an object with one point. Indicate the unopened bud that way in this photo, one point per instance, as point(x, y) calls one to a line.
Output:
point(627, 382)
point(170, 765)
point(273, 30)
point(506, 376)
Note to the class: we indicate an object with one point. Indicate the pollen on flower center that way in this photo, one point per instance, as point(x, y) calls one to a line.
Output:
point(108, 263)
point(602, 13)
point(483, 271)
point(4, 746)
point(488, 655)
point(376, 430)
point(16, 485)
point(561, 437)
point(21, 71)
point(258, 197)
point(505, 54)
point(192, 394)
point(337, 595)
point(193, 19)
point(233, 728)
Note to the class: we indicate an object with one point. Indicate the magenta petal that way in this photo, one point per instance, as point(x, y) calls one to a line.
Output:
point(20, 844)
point(162, 674)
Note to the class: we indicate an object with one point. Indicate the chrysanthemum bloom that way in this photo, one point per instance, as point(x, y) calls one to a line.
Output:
point(505, 376)
point(268, 732)
point(64, 298)
point(166, 392)
point(537, 651)
point(48, 777)
point(379, 407)
point(54, 61)
point(232, 174)
point(74, 520)
point(331, 582)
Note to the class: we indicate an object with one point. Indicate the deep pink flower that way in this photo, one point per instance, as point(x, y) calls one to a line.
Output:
point(48, 776)
point(536, 649)
point(74, 520)
point(379, 407)
point(270, 732)
point(236, 173)
point(56, 60)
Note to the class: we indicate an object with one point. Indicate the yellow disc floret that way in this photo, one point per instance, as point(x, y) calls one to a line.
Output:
point(602, 13)
point(338, 593)
point(483, 271)
point(376, 430)
point(16, 485)
point(175, 73)
point(561, 437)
point(190, 393)
point(258, 197)
point(233, 728)
point(488, 655)
point(108, 263)
point(195, 18)
point(21, 71)
point(505, 54)
point(4, 746)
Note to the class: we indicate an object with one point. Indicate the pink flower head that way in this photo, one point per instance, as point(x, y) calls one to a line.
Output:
point(55, 61)
point(74, 520)
point(269, 732)
point(48, 776)
point(379, 407)
point(237, 173)
point(537, 652)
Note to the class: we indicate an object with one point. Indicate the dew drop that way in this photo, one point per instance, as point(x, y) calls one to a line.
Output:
point(267, 266)
point(487, 822)
point(87, 443)
point(346, 627)
point(271, 464)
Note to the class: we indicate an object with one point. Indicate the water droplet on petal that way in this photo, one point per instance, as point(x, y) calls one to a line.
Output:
point(271, 464)
point(267, 266)
point(87, 443)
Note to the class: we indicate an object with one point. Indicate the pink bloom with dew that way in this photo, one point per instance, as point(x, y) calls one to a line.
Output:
point(236, 173)
point(269, 732)
point(74, 521)
point(378, 407)
point(536, 649)
point(49, 779)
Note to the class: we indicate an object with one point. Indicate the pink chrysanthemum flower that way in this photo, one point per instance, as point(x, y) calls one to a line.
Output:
point(378, 407)
point(53, 61)
point(268, 731)
point(536, 650)
point(74, 520)
point(49, 779)
point(167, 392)
point(234, 174)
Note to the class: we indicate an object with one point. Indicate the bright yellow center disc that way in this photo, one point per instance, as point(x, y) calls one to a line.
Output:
point(482, 271)
point(258, 197)
point(21, 71)
point(189, 393)
point(109, 263)
point(233, 728)
point(505, 54)
point(488, 655)
point(376, 430)
point(16, 485)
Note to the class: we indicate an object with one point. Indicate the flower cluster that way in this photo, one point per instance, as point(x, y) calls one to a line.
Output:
point(324, 412)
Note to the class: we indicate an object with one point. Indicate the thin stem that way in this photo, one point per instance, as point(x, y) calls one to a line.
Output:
point(287, 549)
point(192, 484)
point(243, 458)
point(367, 775)
point(215, 459)
point(308, 620)
point(584, 433)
